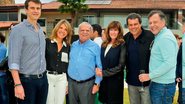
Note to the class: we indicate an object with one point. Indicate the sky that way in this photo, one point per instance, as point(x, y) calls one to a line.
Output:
point(22, 1)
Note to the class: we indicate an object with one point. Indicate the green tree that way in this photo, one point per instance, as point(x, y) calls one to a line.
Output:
point(73, 7)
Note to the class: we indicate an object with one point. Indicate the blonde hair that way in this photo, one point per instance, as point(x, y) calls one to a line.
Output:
point(119, 39)
point(67, 39)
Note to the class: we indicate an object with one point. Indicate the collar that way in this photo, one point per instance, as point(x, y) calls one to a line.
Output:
point(87, 41)
point(140, 35)
point(25, 21)
point(183, 36)
point(55, 41)
point(161, 31)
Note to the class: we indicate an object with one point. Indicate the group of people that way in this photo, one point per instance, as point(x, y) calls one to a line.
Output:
point(44, 71)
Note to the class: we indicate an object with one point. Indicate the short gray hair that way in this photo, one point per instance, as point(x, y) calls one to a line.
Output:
point(159, 12)
point(85, 23)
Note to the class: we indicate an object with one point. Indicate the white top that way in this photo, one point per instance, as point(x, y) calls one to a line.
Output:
point(107, 49)
point(98, 40)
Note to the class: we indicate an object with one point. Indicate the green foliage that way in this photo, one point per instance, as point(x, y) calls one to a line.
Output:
point(73, 6)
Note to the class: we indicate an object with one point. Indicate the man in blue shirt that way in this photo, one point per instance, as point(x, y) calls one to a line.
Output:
point(84, 58)
point(3, 78)
point(162, 64)
point(26, 57)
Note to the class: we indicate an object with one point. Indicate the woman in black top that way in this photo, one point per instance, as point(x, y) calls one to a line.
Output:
point(113, 52)
point(57, 58)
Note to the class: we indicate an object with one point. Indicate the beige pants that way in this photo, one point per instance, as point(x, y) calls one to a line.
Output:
point(57, 88)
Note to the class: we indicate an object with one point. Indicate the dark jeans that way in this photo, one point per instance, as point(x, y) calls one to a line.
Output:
point(36, 90)
point(10, 87)
point(3, 90)
point(162, 93)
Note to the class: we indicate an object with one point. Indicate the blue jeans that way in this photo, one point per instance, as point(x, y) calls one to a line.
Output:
point(36, 90)
point(162, 93)
point(183, 96)
point(3, 90)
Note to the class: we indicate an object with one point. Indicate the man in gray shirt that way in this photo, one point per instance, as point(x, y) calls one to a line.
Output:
point(27, 57)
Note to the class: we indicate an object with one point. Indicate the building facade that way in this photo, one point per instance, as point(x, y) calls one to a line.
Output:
point(101, 12)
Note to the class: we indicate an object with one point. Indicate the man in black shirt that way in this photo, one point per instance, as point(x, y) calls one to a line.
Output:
point(138, 41)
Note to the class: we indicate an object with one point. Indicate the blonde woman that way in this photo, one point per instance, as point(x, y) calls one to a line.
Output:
point(57, 52)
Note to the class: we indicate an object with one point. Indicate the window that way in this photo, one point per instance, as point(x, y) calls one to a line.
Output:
point(56, 21)
point(23, 16)
point(144, 22)
point(42, 22)
point(90, 18)
point(108, 18)
point(69, 20)
point(13, 17)
point(4, 17)
point(9, 16)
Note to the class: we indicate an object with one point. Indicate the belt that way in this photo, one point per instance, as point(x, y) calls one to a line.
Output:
point(36, 76)
point(83, 81)
point(54, 72)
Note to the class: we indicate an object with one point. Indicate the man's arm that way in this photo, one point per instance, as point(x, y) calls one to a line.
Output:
point(15, 76)
point(14, 55)
point(99, 66)
point(19, 91)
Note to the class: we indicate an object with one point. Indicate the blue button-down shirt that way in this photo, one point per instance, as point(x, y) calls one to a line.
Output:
point(3, 51)
point(84, 58)
point(27, 49)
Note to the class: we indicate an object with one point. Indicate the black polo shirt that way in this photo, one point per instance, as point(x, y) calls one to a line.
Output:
point(133, 62)
point(138, 56)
